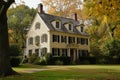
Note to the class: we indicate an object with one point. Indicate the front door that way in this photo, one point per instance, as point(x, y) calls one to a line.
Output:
point(72, 54)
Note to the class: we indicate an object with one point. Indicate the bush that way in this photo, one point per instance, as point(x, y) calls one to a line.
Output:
point(61, 59)
point(25, 59)
point(32, 58)
point(87, 60)
point(14, 55)
point(58, 62)
point(35, 59)
point(42, 61)
point(14, 50)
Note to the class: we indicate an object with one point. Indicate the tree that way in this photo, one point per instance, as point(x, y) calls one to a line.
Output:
point(105, 15)
point(106, 12)
point(111, 48)
point(63, 8)
point(19, 19)
point(5, 67)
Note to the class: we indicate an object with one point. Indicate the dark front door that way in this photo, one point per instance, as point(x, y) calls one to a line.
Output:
point(72, 54)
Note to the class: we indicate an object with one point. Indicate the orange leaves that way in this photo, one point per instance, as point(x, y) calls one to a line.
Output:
point(63, 8)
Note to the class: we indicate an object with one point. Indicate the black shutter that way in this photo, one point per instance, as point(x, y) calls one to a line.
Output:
point(61, 38)
point(53, 38)
point(58, 38)
point(87, 41)
point(52, 51)
point(58, 52)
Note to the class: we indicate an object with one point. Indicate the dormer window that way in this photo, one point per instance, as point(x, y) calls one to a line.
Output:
point(57, 24)
point(82, 29)
point(70, 27)
point(37, 25)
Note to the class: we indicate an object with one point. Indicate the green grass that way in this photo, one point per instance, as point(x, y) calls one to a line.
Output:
point(77, 72)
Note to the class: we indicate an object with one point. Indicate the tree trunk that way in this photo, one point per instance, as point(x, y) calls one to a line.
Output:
point(5, 67)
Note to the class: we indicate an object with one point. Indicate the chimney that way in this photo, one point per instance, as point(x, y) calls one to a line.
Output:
point(40, 8)
point(75, 16)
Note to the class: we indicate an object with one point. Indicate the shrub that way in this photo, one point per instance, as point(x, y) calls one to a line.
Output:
point(58, 62)
point(25, 59)
point(42, 61)
point(87, 60)
point(14, 55)
point(14, 50)
point(64, 60)
point(32, 58)
point(35, 59)
point(111, 48)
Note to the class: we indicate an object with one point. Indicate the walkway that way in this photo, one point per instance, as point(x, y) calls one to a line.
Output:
point(31, 70)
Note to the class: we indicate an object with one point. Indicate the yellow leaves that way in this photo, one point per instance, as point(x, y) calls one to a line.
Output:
point(63, 7)
point(10, 31)
point(105, 19)
point(92, 30)
point(117, 32)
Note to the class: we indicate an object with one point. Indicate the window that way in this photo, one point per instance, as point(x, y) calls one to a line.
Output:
point(30, 41)
point(82, 40)
point(30, 53)
point(80, 53)
point(70, 27)
point(83, 53)
point(44, 51)
point(78, 40)
point(64, 52)
point(57, 24)
point(71, 40)
point(37, 51)
point(37, 25)
point(63, 39)
point(82, 29)
point(37, 40)
point(44, 38)
point(55, 38)
point(55, 51)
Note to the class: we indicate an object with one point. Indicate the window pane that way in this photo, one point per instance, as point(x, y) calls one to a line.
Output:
point(44, 38)
point(30, 52)
point(56, 38)
point(57, 24)
point(30, 41)
point(70, 27)
point(37, 40)
point(81, 29)
point(37, 25)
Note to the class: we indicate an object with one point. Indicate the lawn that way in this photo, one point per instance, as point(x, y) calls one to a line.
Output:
point(76, 72)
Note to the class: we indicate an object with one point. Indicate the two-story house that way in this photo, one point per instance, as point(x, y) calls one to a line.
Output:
point(59, 36)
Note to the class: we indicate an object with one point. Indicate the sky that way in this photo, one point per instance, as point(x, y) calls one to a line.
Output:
point(30, 3)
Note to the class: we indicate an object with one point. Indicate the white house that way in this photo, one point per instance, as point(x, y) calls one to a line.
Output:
point(59, 36)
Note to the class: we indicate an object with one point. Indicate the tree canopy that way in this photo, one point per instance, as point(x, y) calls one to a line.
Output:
point(65, 8)
point(19, 18)
point(105, 15)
